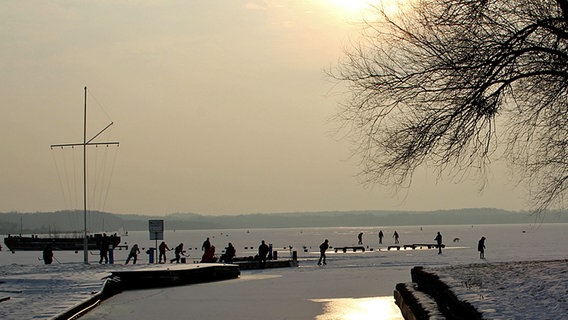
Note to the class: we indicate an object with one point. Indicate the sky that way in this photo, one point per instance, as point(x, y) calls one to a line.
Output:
point(220, 107)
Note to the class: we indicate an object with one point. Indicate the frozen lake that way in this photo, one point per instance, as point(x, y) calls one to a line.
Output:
point(351, 283)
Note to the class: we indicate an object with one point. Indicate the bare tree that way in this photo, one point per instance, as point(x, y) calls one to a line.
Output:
point(455, 84)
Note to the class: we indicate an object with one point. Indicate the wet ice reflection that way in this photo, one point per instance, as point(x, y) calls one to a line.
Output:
point(359, 308)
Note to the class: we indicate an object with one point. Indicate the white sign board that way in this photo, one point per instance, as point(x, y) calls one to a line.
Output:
point(156, 228)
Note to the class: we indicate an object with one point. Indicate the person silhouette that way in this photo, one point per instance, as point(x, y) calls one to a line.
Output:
point(48, 254)
point(262, 253)
point(103, 249)
point(439, 242)
point(206, 245)
point(134, 251)
point(178, 251)
point(481, 248)
point(229, 254)
point(162, 249)
point(323, 247)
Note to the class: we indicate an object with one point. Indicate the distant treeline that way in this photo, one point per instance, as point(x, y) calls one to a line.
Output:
point(72, 221)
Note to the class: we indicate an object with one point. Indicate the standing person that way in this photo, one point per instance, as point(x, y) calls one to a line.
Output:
point(48, 254)
point(206, 245)
point(162, 249)
point(262, 253)
point(381, 235)
point(323, 247)
point(439, 242)
point(103, 250)
point(134, 251)
point(360, 238)
point(395, 236)
point(178, 251)
point(481, 248)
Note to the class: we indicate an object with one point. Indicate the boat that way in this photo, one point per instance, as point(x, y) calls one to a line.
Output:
point(69, 243)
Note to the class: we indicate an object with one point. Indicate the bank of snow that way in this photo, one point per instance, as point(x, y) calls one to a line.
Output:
point(511, 290)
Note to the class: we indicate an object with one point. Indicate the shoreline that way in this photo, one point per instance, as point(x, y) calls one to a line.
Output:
point(500, 290)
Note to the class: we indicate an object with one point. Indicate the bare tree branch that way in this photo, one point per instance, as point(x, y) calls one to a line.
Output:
point(448, 82)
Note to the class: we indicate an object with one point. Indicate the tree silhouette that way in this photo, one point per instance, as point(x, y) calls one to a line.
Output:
point(455, 84)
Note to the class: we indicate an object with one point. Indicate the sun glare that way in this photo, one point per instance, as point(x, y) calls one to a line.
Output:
point(366, 8)
point(352, 5)
point(359, 309)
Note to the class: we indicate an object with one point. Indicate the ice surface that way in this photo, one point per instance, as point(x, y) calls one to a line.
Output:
point(308, 292)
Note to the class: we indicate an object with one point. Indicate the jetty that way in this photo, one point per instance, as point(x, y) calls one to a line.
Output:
point(248, 263)
point(174, 275)
point(416, 245)
point(350, 248)
point(255, 264)
point(152, 277)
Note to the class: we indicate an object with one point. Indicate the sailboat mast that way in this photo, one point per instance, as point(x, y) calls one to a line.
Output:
point(85, 144)
point(85, 240)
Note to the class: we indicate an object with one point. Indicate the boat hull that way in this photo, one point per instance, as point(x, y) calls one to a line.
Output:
point(36, 243)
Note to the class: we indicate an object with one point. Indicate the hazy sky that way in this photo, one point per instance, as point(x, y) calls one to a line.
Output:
point(220, 107)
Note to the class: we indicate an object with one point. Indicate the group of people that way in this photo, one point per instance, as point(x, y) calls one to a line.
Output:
point(179, 251)
point(325, 245)
point(480, 245)
point(207, 257)
point(264, 250)
point(230, 252)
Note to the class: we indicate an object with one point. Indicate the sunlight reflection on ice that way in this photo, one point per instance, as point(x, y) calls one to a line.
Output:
point(360, 309)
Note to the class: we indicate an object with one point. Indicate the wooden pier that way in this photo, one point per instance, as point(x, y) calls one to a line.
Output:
point(350, 248)
point(415, 245)
point(174, 275)
point(247, 263)
point(255, 264)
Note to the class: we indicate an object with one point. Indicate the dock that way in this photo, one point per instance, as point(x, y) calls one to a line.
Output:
point(350, 248)
point(253, 264)
point(174, 275)
point(248, 263)
point(415, 245)
point(152, 277)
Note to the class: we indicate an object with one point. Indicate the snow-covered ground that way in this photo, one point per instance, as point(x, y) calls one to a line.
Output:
point(351, 286)
point(511, 290)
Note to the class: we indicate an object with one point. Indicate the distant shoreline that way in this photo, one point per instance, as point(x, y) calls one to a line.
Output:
point(71, 221)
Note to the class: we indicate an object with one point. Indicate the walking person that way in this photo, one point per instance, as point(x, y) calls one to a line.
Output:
point(481, 248)
point(395, 236)
point(134, 251)
point(439, 242)
point(323, 248)
point(381, 235)
point(360, 238)
point(178, 251)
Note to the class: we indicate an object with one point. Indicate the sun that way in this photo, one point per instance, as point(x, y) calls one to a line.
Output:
point(366, 8)
point(353, 5)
